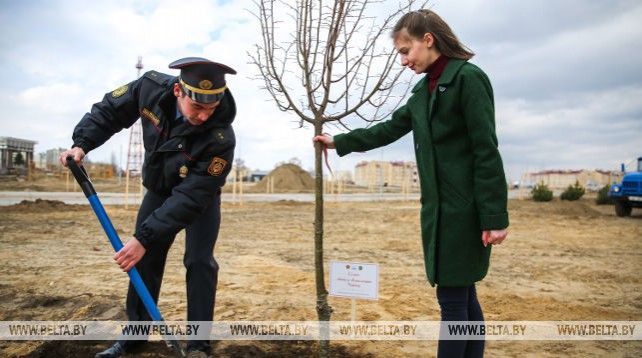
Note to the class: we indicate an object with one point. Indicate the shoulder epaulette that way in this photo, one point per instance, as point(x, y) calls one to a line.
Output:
point(158, 77)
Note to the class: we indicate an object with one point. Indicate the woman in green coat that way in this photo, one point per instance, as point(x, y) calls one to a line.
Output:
point(463, 186)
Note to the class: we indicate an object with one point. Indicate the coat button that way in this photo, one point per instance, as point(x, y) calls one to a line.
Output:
point(417, 146)
point(180, 146)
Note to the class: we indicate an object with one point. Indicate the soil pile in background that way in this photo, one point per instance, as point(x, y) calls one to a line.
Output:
point(42, 206)
point(286, 178)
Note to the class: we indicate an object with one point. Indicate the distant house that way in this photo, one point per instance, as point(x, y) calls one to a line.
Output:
point(377, 173)
point(561, 179)
point(257, 175)
point(50, 159)
point(16, 155)
point(344, 176)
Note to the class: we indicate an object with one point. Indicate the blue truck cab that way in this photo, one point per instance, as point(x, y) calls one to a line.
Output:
point(628, 194)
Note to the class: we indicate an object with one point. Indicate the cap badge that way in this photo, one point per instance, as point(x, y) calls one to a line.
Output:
point(205, 84)
point(182, 172)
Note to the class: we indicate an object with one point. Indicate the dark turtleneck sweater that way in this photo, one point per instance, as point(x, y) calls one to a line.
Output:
point(435, 70)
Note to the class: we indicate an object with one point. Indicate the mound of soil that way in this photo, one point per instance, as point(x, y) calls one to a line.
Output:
point(30, 305)
point(42, 206)
point(286, 178)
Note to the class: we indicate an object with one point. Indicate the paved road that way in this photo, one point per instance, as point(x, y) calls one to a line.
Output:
point(14, 197)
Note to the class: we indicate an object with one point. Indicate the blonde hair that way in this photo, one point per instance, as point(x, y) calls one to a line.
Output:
point(418, 23)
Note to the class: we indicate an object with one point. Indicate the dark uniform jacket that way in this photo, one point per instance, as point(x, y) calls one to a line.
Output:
point(463, 186)
point(187, 163)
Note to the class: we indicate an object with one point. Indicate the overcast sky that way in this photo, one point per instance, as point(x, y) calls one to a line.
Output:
point(567, 74)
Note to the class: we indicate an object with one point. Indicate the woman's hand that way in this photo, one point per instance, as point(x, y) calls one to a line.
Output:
point(326, 140)
point(494, 237)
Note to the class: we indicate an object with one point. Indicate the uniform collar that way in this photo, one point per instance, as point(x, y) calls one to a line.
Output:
point(179, 115)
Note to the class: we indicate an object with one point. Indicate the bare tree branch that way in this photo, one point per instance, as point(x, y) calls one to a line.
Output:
point(350, 78)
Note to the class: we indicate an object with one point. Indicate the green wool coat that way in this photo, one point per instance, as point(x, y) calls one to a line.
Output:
point(463, 186)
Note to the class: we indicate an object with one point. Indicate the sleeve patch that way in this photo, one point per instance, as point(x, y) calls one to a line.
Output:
point(119, 91)
point(217, 166)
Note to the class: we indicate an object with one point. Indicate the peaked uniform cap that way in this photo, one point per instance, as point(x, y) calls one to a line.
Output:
point(202, 80)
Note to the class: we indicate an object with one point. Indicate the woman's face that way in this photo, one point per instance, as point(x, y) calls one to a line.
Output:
point(416, 54)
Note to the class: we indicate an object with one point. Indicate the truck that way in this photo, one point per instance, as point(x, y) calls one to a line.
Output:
point(628, 194)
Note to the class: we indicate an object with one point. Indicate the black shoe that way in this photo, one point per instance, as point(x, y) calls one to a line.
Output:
point(114, 351)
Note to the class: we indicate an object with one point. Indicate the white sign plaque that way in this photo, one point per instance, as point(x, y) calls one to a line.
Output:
point(354, 280)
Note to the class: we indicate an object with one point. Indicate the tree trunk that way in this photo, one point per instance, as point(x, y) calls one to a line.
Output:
point(323, 309)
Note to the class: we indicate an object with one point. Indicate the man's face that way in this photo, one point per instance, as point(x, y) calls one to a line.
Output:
point(196, 113)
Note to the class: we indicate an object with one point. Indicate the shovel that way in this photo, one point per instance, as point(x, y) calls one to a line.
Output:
point(85, 184)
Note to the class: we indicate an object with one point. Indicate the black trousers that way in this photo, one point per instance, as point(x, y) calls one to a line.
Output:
point(202, 269)
point(459, 304)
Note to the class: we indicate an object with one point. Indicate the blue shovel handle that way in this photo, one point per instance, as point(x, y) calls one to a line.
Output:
point(85, 184)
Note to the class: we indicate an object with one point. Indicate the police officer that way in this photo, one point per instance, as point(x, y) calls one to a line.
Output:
point(189, 148)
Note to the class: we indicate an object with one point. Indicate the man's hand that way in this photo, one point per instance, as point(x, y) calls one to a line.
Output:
point(130, 254)
point(494, 237)
point(76, 152)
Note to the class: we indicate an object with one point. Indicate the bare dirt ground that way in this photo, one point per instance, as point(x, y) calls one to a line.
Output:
point(563, 261)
